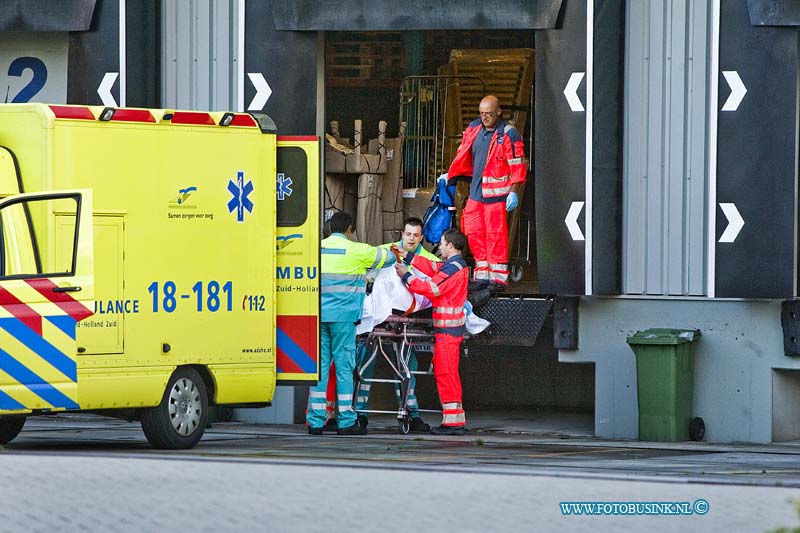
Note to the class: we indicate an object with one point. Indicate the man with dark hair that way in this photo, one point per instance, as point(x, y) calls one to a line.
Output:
point(410, 241)
point(411, 238)
point(491, 157)
point(344, 264)
point(447, 291)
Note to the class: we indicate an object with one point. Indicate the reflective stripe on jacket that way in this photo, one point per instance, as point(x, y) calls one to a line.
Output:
point(344, 264)
point(505, 161)
point(446, 289)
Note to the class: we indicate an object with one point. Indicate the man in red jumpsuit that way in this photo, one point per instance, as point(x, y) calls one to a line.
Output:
point(447, 291)
point(491, 157)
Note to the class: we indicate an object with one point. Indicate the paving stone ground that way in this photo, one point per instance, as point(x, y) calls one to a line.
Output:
point(95, 474)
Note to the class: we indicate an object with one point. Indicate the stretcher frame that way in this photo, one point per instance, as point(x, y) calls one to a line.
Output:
point(403, 333)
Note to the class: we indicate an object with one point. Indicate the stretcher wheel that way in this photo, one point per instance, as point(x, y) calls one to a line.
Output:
point(404, 424)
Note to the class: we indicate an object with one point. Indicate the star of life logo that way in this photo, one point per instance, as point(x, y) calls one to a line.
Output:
point(283, 186)
point(240, 192)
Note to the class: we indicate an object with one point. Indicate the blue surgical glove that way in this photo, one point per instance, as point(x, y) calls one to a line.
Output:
point(512, 201)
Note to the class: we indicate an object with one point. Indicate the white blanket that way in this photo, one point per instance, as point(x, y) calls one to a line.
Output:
point(389, 292)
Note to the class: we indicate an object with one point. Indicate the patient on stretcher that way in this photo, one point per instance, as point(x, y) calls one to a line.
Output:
point(389, 293)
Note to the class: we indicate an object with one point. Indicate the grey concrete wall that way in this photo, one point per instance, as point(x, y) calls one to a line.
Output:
point(281, 411)
point(735, 358)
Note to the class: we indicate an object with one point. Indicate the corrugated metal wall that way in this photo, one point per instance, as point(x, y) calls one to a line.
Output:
point(200, 54)
point(665, 163)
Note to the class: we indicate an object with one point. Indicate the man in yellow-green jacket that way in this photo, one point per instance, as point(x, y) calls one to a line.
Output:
point(344, 264)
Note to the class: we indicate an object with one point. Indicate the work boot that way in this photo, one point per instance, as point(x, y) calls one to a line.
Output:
point(362, 421)
point(352, 430)
point(477, 285)
point(449, 430)
point(331, 426)
point(496, 287)
point(314, 431)
point(419, 426)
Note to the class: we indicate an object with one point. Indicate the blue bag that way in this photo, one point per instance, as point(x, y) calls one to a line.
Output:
point(438, 217)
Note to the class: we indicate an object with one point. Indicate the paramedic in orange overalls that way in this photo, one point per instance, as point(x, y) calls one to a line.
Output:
point(491, 157)
point(447, 291)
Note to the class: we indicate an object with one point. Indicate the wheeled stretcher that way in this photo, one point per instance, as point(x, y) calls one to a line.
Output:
point(404, 334)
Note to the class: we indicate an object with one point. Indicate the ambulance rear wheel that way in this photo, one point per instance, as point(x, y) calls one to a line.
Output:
point(179, 421)
point(10, 426)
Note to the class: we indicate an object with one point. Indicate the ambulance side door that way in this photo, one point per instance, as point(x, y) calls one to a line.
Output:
point(43, 295)
point(297, 262)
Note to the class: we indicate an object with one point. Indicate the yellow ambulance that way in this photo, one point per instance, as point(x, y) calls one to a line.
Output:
point(153, 263)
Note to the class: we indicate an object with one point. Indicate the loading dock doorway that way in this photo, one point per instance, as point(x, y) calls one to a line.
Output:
point(426, 86)
point(401, 79)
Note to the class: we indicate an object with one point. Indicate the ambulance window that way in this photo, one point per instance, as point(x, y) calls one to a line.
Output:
point(38, 237)
point(292, 186)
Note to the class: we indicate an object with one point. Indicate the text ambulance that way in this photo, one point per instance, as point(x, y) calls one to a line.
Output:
point(153, 263)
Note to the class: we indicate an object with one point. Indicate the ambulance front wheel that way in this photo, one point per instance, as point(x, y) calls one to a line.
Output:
point(179, 421)
point(10, 426)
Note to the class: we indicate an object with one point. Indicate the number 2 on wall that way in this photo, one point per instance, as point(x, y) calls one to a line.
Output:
point(39, 69)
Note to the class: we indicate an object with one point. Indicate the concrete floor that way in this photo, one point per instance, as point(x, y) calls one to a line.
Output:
point(135, 493)
point(525, 443)
point(515, 422)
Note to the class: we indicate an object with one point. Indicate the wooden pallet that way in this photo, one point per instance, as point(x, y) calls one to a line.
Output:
point(508, 74)
point(366, 56)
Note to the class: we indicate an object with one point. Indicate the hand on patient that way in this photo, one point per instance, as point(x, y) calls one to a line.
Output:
point(401, 269)
point(399, 253)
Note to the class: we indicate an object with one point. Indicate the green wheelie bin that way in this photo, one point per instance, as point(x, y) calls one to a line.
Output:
point(664, 372)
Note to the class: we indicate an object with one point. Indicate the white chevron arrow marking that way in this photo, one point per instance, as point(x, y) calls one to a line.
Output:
point(572, 221)
point(263, 91)
point(571, 91)
point(735, 223)
point(738, 90)
point(104, 90)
